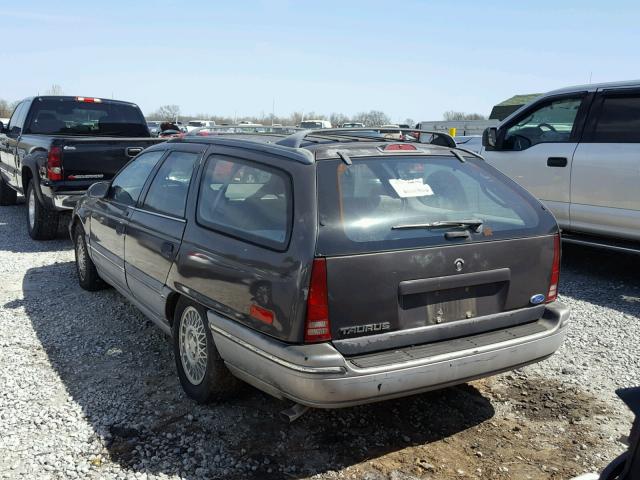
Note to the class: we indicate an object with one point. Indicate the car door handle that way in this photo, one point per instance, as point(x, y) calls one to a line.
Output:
point(133, 151)
point(557, 162)
point(167, 249)
point(120, 228)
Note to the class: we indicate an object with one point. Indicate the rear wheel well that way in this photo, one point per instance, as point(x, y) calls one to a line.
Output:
point(27, 175)
point(170, 306)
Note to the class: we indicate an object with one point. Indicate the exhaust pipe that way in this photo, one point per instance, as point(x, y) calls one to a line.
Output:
point(294, 412)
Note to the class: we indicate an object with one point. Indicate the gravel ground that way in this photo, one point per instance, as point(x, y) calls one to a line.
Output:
point(88, 390)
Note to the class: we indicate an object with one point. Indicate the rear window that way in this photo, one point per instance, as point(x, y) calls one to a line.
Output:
point(362, 206)
point(246, 200)
point(68, 116)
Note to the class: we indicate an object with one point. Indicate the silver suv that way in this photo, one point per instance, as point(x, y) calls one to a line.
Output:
point(578, 150)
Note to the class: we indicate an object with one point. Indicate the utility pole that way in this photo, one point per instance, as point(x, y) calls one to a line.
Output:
point(273, 111)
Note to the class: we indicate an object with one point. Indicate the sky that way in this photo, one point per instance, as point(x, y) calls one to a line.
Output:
point(410, 59)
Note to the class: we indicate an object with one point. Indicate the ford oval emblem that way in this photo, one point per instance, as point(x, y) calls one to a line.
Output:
point(537, 299)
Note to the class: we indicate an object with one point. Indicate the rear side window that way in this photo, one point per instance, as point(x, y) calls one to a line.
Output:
point(168, 191)
point(372, 204)
point(127, 185)
point(619, 120)
point(246, 200)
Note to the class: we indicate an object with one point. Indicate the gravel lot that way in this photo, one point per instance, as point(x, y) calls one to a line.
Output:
point(88, 390)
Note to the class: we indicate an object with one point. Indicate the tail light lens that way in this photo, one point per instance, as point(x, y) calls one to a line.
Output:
point(54, 164)
point(552, 295)
point(317, 326)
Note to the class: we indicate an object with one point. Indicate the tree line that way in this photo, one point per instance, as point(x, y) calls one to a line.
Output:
point(372, 118)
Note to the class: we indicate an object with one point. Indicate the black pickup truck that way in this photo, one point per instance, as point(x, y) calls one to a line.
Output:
point(55, 147)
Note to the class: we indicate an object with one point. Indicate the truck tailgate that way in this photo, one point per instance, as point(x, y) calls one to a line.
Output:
point(94, 159)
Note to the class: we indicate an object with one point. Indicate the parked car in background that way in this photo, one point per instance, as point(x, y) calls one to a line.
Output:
point(470, 142)
point(154, 128)
point(55, 147)
point(314, 124)
point(352, 125)
point(578, 150)
point(193, 124)
point(259, 256)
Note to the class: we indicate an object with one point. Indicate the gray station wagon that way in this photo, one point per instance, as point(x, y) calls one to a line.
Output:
point(325, 267)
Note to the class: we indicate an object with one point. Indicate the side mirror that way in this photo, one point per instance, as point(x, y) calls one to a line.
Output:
point(99, 190)
point(490, 138)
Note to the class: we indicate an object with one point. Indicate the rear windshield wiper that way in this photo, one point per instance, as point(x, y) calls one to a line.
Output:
point(474, 223)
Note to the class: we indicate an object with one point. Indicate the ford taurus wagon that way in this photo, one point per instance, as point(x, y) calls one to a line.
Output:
point(326, 268)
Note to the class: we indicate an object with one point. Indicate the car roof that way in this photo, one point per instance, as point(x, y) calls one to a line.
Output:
point(316, 145)
point(74, 97)
point(592, 87)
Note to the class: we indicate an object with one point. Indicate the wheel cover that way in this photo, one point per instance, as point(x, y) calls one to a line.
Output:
point(192, 343)
point(32, 208)
point(81, 258)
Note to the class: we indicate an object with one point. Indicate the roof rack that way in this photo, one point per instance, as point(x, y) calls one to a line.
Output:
point(295, 140)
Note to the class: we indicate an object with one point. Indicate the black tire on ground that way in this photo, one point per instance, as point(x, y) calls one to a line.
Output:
point(88, 277)
point(192, 338)
point(8, 195)
point(42, 223)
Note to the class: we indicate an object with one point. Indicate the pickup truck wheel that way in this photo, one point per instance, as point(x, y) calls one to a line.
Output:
point(88, 277)
point(42, 223)
point(8, 195)
point(202, 372)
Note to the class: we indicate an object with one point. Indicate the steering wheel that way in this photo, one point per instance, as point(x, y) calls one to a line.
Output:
point(545, 124)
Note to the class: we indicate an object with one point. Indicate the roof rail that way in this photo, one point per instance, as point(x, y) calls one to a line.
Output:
point(295, 140)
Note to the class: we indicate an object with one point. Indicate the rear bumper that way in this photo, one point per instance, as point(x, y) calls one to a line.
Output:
point(319, 376)
point(60, 200)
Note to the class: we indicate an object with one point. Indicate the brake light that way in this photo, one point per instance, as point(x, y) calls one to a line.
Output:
point(399, 147)
point(88, 100)
point(54, 164)
point(552, 295)
point(317, 327)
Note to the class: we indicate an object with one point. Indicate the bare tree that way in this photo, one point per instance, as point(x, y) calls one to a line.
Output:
point(54, 90)
point(409, 121)
point(453, 115)
point(167, 112)
point(374, 118)
point(338, 119)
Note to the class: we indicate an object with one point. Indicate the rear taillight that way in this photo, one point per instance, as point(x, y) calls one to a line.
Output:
point(54, 164)
point(552, 295)
point(317, 327)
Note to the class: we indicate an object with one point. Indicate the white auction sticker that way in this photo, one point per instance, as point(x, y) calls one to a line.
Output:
point(410, 188)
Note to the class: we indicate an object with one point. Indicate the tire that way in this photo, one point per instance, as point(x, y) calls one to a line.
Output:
point(88, 276)
point(203, 375)
point(8, 195)
point(42, 223)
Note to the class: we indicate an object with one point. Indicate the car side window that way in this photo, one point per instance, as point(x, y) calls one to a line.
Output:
point(551, 123)
point(168, 191)
point(246, 200)
point(127, 185)
point(619, 120)
point(16, 119)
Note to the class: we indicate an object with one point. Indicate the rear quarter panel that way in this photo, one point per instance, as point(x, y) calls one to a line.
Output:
point(229, 275)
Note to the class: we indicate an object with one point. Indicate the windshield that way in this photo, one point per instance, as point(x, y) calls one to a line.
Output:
point(68, 116)
point(362, 205)
point(196, 124)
